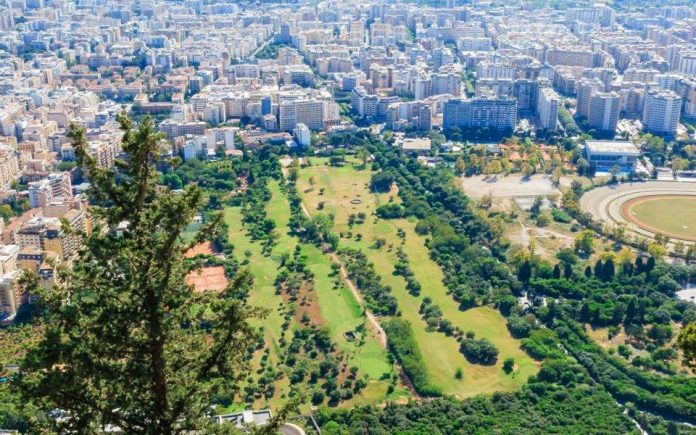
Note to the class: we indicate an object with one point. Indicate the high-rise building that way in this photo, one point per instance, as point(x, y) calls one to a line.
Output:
point(56, 185)
point(687, 63)
point(500, 113)
point(547, 106)
point(449, 83)
point(661, 111)
point(604, 111)
point(307, 112)
point(585, 89)
point(302, 135)
point(266, 105)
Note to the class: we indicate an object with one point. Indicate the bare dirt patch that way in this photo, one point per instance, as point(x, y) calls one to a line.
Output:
point(208, 279)
point(509, 186)
point(205, 248)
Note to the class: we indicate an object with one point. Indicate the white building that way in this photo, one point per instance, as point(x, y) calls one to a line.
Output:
point(56, 185)
point(194, 147)
point(604, 111)
point(307, 112)
point(548, 102)
point(302, 135)
point(661, 111)
point(605, 154)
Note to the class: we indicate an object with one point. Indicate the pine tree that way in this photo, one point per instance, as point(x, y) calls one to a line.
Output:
point(650, 264)
point(599, 269)
point(640, 267)
point(525, 272)
point(585, 313)
point(556, 271)
point(630, 311)
point(608, 270)
point(126, 342)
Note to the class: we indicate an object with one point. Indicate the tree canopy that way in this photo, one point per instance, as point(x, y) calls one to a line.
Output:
point(126, 341)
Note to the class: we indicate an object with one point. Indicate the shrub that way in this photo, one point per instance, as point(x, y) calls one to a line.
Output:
point(561, 216)
point(390, 210)
point(508, 365)
point(403, 345)
point(479, 351)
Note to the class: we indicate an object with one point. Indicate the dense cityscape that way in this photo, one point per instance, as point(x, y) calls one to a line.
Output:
point(439, 216)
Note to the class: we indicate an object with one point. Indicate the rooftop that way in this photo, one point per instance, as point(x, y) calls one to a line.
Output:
point(612, 147)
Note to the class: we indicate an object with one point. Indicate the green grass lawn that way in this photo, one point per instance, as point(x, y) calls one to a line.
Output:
point(262, 294)
point(339, 310)
point(190, 231)
point(672, 216)
point(343, 185)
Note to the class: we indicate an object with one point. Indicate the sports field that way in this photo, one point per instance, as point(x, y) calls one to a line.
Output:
point(672, 216)
point(343, 191)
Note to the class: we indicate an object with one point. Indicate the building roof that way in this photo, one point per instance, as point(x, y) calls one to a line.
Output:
point(612, 147)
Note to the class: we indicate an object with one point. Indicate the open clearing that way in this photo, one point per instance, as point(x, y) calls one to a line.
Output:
point(264, 270)
point(510, 186)
point(345, 192)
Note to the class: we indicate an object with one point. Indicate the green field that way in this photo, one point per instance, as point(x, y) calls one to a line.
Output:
point(263, 293)
point(673, 216)
point(338, 310)
point(346, 192)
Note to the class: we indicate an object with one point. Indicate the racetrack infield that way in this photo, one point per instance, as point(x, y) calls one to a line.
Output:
point(671, 215)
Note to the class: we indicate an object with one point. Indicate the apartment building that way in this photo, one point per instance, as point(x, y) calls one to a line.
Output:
point(304, 111)
point(585, 89)
point(661, 111)
point(46, 234)
point(604, 111)
point(172, 128)
point(548, 103)
point(11, 294)
point(570, 57)
point(9, 166)
point(492, 112)
point(56, 185)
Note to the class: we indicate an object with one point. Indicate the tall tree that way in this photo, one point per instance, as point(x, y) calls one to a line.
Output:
point(525, 272)
point(126, 341)
point(687, 343)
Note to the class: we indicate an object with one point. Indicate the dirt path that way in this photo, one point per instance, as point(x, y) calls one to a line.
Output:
point(525, 234)
point(376, 327)
point(372, 320)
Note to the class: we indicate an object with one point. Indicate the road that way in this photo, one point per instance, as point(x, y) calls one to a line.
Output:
point(261, 47)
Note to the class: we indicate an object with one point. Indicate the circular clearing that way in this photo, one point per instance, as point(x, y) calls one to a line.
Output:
point(671, 215)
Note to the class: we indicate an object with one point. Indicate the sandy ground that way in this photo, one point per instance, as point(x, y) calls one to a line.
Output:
point(510, 186)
